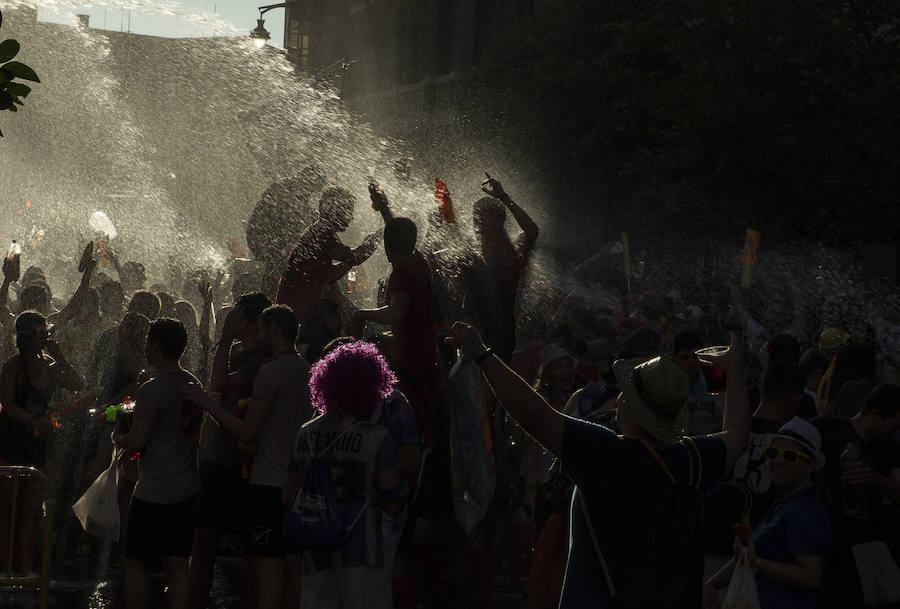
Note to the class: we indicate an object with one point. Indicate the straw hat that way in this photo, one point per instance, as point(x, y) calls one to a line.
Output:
point(655, 392)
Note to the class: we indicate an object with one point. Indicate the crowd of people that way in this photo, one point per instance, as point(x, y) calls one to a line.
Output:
point(629, 429)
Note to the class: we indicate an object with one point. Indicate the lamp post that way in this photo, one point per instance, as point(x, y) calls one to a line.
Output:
point(259, 34)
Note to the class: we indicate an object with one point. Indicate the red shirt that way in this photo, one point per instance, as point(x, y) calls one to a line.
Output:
point(415, 337)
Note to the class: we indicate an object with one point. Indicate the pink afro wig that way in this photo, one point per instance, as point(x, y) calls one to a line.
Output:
point(352, 378)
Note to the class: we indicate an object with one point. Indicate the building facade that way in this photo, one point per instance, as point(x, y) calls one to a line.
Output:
point(397, 43)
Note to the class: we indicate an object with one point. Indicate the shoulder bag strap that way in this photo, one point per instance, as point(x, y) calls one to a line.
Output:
point(603, 567)
point(657, 458)
point(692, 451)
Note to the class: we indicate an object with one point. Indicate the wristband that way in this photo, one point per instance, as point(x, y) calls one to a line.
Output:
point(484, 355)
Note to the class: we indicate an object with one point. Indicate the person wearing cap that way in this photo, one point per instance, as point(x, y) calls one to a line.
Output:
point(790, 548)
point(556, 381)
point(620, 479)
point(547, 503)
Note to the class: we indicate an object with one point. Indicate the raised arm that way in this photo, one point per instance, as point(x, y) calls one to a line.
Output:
point(798, 320)
point(740, 309)
point(233, 324)
point(737, 417)
point(380, 202)
point(526, 240)
point(527, 407)
point(87, 266)
point(394, 313)
point(206, 293)
point(9, 276)
point(357, 255)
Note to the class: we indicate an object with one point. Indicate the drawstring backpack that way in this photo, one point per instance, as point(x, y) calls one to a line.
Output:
point(313, 521)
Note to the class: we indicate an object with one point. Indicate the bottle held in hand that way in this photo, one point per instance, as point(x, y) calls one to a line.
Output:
point(853, 495)
point(378, 196)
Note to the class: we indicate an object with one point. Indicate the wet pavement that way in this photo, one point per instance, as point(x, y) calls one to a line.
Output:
point(73, 588)
point(106, 589)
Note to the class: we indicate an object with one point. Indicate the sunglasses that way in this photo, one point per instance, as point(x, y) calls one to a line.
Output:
point(788, 455)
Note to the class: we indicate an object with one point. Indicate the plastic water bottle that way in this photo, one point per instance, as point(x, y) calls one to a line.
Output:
point(855, 499)
point(13, 256)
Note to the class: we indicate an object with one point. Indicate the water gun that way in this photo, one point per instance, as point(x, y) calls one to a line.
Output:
point(444, 202)
point(81, 401)
point(748, 257)
point(78, 404)
point(112, 412)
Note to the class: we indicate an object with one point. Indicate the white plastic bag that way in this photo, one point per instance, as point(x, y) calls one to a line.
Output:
point(98, 508)
point(471, 454)
point(878, 573)
point(742, 588)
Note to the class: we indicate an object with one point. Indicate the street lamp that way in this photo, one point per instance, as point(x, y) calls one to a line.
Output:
point(259, 34)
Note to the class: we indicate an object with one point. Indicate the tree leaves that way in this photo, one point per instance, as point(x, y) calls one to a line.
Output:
point(22, 71)
point(11, 92)
point(8, 49)
point(18, 89)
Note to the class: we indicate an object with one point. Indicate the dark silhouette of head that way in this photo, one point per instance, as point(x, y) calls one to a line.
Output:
point(399, 238)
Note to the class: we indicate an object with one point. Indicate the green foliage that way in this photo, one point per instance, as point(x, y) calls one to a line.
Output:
point(759, 105)
point(12, 93)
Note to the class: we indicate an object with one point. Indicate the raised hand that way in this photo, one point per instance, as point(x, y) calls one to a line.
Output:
point(205, 289)
point(378, 196)
point(731, 358)
point(466, 338)
point(493, 188)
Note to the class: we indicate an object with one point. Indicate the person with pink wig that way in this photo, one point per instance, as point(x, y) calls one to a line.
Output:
point(348, 387)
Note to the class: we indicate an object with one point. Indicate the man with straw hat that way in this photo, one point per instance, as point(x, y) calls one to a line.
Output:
point(636, 509)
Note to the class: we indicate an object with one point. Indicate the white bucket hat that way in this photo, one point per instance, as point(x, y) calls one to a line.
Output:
point(804, 433)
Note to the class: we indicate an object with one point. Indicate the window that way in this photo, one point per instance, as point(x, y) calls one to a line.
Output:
point(297, 43)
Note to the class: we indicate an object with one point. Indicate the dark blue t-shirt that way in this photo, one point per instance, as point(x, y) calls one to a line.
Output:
point(621, 483)
point(798, 525)
point(398, 416)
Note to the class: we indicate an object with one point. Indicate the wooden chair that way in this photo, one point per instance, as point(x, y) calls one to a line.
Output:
point(41, 583)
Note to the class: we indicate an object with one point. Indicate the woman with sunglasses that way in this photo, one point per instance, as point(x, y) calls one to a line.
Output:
point(790, 547)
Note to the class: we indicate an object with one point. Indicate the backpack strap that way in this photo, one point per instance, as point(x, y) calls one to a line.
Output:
point(336, 438)
point(692, 450)
point(603, 567)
